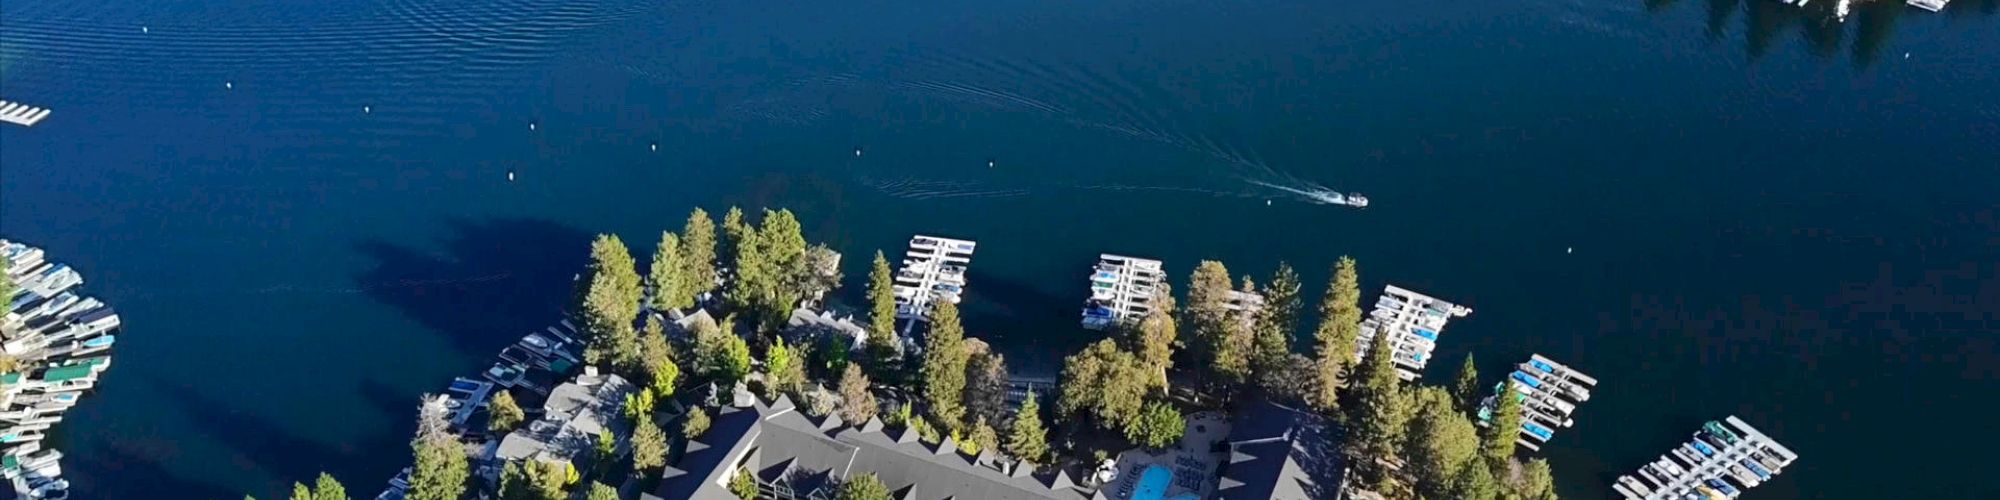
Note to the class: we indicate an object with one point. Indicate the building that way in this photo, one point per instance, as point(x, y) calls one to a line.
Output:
point(794, 456)
point(572, 418)
point(1281, 453)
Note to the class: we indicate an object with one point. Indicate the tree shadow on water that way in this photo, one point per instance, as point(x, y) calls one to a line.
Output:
point(495, 280)
point(286, 455)
point(1030, 325)
point(127, 473)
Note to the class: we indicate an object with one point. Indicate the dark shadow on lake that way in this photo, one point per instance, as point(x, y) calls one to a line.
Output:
point(1873, 23)
point(286, 455)
point(136, 476)
point(1022, 322)
point(493, 282)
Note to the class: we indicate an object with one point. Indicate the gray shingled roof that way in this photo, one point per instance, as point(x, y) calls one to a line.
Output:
point(575, 413)
point(1280, 453)
point(783, 443)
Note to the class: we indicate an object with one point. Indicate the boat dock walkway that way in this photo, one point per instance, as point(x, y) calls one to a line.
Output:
point(21, 114)
point(1121, 291)
point(1549, 393)
point(1724, 458)
point(933, 270)
point(1412, 322)
point(1930, 5)
point(59, 340)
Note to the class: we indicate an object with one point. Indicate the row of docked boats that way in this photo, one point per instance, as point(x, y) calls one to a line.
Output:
point(1411, 323)
point(56, 343)
point(1719, 462)
point(933, 270)
point(1121, 291)
point(1549, 393)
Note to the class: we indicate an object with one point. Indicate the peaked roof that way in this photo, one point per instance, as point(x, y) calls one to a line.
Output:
point(1280, 453)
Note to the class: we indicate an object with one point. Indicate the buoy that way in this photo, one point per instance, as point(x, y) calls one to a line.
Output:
point(366, 109)
point(1906, 55)
point(143, 29)
point(1267, 203)
point(857, 151)
point(1569, 249)
point(531, 125)
point(510, 176)
point(228, 85)
point(656, 147)
point(989, 163)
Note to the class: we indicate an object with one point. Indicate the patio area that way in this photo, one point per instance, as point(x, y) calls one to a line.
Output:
point(1185, 471)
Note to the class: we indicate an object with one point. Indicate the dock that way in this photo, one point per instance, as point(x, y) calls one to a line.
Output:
point(1930, 5)
point(1411, 322)
point(1549, 393)
point(22, 114)
point(933, 270)
point(60, 341)
point(1121, 291)
point(1721, 460)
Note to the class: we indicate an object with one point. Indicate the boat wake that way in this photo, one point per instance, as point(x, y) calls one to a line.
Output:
point(1316, 194)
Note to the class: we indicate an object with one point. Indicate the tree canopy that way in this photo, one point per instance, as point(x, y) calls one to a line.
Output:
point(1340, 326)
point(857, 403)
point(1497, 443)
point(440, 466)
point(649, 444)
point(1215, 328)
point(785, 370)
point(504, 413)
point(1379, 417)
point(1465, 387)
point(1442, 441)
point(611, 303)
point(1027, 440)
point(744, 485)
point(698, 253)
point(863, 487)
point(1274, 327)
point(672, 287)
point(327, 488)
point(657, 357)
point(724, 357)
point(1105, 383)
point(1158, 426)
point(943, 370)
point(986, 382)
point(881, 314)
point(696, 424)
point(533, 480)
point(1153, 339)
point(601, 491)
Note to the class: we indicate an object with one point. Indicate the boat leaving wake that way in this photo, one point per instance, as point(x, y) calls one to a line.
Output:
point(1317, 194)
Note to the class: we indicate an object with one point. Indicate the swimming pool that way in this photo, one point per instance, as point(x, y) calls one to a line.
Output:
point(1153, 483)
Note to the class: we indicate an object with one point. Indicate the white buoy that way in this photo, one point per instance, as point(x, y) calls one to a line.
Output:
point(228, 85)
point(367, 109)
point(1569, 249)
point(857, 151)
point(1906, 55)
point(143, 29)
point(510, 176)
point(656, 147)
point(531, 125)
point(1267, 203)
point(989, 163)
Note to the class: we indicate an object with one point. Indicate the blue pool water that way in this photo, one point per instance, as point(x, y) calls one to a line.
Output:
point(1153, 483)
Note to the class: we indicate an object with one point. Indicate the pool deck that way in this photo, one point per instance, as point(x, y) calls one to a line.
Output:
point(1193, 462)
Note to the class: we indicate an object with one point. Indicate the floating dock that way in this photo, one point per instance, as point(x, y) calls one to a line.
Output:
point(60, 341)
point(1723, 459)
point(1549, 393)
point(933, 270)
point(21, 114)
point(1121, 291)
point(1411, 321)
point(1930, 5)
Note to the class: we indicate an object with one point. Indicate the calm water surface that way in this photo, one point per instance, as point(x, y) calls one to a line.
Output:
point(1772, 217)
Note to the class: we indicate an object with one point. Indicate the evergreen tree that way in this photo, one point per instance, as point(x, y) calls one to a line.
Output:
point(696, 424)
point(786, 273)
point(863, 487)
point(533, 480)
point(328, 489)
point(649, 443)
point(982, 436)
point(657, 357)
point(1208, 310)
point(1105, 383)
point(301, 492)
point(857, 404)
point(1027, 441)
point(744, 485)
point(881, 316)
point(698, 253)
point(1155, 336)
point(1503, 427)
point(504, 413)
point(1534, 481)
point(724, 357)
point(1158, 426)
point(736, 233)
point(440, 467)
point(639, 405)
point(1275, 325)
point(607, 448)
point(1465, 388)
point(943, 370)
point(601, 491)
point(612, 303)
point(1442, 441)
point(986, 381)
point(1474, 482)
point(1340, 326)
point(786, 371)
point(668, 276)
point(1378, 417)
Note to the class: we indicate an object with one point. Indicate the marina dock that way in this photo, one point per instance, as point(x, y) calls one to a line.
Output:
point(1121, 291)
point(21, 114)
point(933, 270)
point(60, 343)
point(1549, 393)
point(1723, 459)
point(1412, 322)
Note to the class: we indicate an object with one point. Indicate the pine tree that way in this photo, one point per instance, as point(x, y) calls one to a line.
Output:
point(1535, 481)
point(601, 491)
point(504, 413)
point(1379, 416)
point(786, 372)
point(746, 261)
point(533, 480)
point(696, 424)
point(1474, 482)
point(698, 253)
point(943, 370)
point(1027, 441)
point(786, 272)
point(657, 356)
point(881, 315)
point(983, 436)
point(649, 443)
point(328, 489)
point(744, 485)
point(668, 276)
point(1275, 325)
point(612, 302)
point(986, 381)
point(1154, 337)
point(441, 466)
point(301, 492)
point(1503, 427)
point(1105, 383)
point(723, 356)
point(1208, 310)
point(1340, 326)
point(1442, 441)
point(857, 402)
point(1465, 388)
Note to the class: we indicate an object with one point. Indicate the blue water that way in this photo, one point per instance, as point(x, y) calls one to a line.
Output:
point(1771, 216)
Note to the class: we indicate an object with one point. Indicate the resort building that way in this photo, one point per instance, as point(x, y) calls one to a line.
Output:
point(1411, 322)
point(573, 416)
point(1281, 453)
point(933, 270)
point(1121, 291)
point(1723, 459)
point(57, 343)
point(1548, 391)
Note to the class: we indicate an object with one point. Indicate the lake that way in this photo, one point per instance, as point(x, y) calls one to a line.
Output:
point(303, 211)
